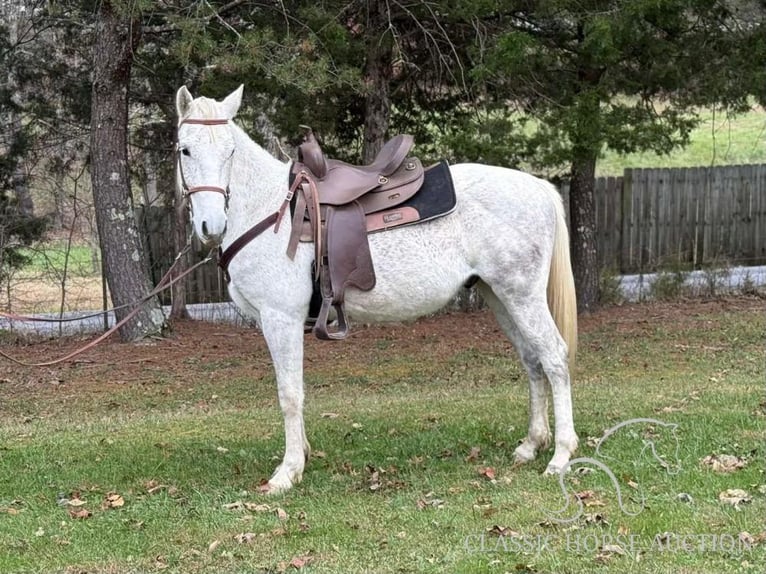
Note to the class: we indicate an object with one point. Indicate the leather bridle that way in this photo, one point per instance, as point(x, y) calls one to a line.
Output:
point(186, 191)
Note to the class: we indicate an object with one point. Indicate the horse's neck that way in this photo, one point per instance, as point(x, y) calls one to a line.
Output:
point(259, 184)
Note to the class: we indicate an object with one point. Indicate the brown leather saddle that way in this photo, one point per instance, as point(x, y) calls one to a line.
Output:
point(335, 205)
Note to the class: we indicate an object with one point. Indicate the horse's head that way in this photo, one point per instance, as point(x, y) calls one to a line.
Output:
point(205, 156)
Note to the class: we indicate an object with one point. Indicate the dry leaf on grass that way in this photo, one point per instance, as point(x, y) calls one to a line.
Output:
point(245, 537)
point(723, 462)
point(607, 552)
point(300, 561)
point(474, 455)
point(112, 500)
point(735, 497)
point(429, 501)
point(503, 531)
point(487, 471)
point(79, 513)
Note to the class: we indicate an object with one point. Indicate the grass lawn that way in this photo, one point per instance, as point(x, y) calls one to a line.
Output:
point(718, 140)
point(148, 459)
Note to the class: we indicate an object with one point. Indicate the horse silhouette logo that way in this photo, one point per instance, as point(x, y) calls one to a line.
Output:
point(671, 468)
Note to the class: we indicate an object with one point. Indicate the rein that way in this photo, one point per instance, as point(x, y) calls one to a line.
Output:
point(226, 255)
point(163, 284)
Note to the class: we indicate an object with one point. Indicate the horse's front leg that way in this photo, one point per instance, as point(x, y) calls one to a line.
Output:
point(284, 337)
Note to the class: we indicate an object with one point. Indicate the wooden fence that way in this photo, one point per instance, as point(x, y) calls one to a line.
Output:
point(688, 218)
point(648, 219)
point(205, 285)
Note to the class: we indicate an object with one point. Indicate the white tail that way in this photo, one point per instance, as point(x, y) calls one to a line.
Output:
point(562, 300)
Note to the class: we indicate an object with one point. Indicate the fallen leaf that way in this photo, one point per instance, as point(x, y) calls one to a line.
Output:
point(245, 537)
point(113, 500)
point(503, 531)
point(75, 502)
point(222, 449)
point(160, 562)
point(474, 454)
point(153, 487)
point(281, 514)
point(723, 462)
point(607, 552)
point(300, 561)
point(234, 505)
point(213, 545)
point(253, 507)
point(329, 415)
point(79, 513)
point(429, 501)
point(595, 518)
point(685, 497)
point(487, 471)
point(735, 497)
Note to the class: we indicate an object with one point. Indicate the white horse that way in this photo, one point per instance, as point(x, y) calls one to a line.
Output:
point(508, 229)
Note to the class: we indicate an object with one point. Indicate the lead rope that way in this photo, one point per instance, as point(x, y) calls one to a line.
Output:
point(163, 284)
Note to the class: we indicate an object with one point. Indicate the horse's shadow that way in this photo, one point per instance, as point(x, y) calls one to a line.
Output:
point(670, 463)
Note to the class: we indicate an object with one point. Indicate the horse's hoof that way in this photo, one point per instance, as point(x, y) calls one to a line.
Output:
point(552, 470)
point(523, 454)
point(274, 487)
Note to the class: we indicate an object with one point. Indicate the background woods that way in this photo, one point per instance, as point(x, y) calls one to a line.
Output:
point(547, 86)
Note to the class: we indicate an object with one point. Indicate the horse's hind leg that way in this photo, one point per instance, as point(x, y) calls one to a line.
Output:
point(529, 324)
point(539, 434)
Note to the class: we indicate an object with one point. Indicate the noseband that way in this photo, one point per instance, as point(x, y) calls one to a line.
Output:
point(186, 191)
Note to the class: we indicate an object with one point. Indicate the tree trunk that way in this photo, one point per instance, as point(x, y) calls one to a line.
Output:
point(582, 216)
point(126, 270)
point(377, 77)
point(13, 13)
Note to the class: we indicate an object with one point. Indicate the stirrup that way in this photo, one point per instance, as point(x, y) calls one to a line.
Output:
point(320, 328)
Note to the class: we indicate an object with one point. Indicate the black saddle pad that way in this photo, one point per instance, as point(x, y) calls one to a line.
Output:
point(436, 197)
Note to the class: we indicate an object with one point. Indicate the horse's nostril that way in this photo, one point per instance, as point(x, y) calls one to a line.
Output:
point(204, 228)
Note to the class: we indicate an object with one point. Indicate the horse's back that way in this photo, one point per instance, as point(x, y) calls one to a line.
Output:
point(503, 224)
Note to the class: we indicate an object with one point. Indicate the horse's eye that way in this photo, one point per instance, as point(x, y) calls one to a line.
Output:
point(185, 151)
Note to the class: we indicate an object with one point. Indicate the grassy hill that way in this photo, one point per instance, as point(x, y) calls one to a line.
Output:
point(718, 140)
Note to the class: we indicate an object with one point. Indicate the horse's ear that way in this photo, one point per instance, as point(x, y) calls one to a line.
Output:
point(183, 101)
point(232, 102)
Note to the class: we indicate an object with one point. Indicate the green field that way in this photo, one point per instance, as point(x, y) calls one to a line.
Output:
point(413, 430)
point(52, 258)
point(718, 140)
